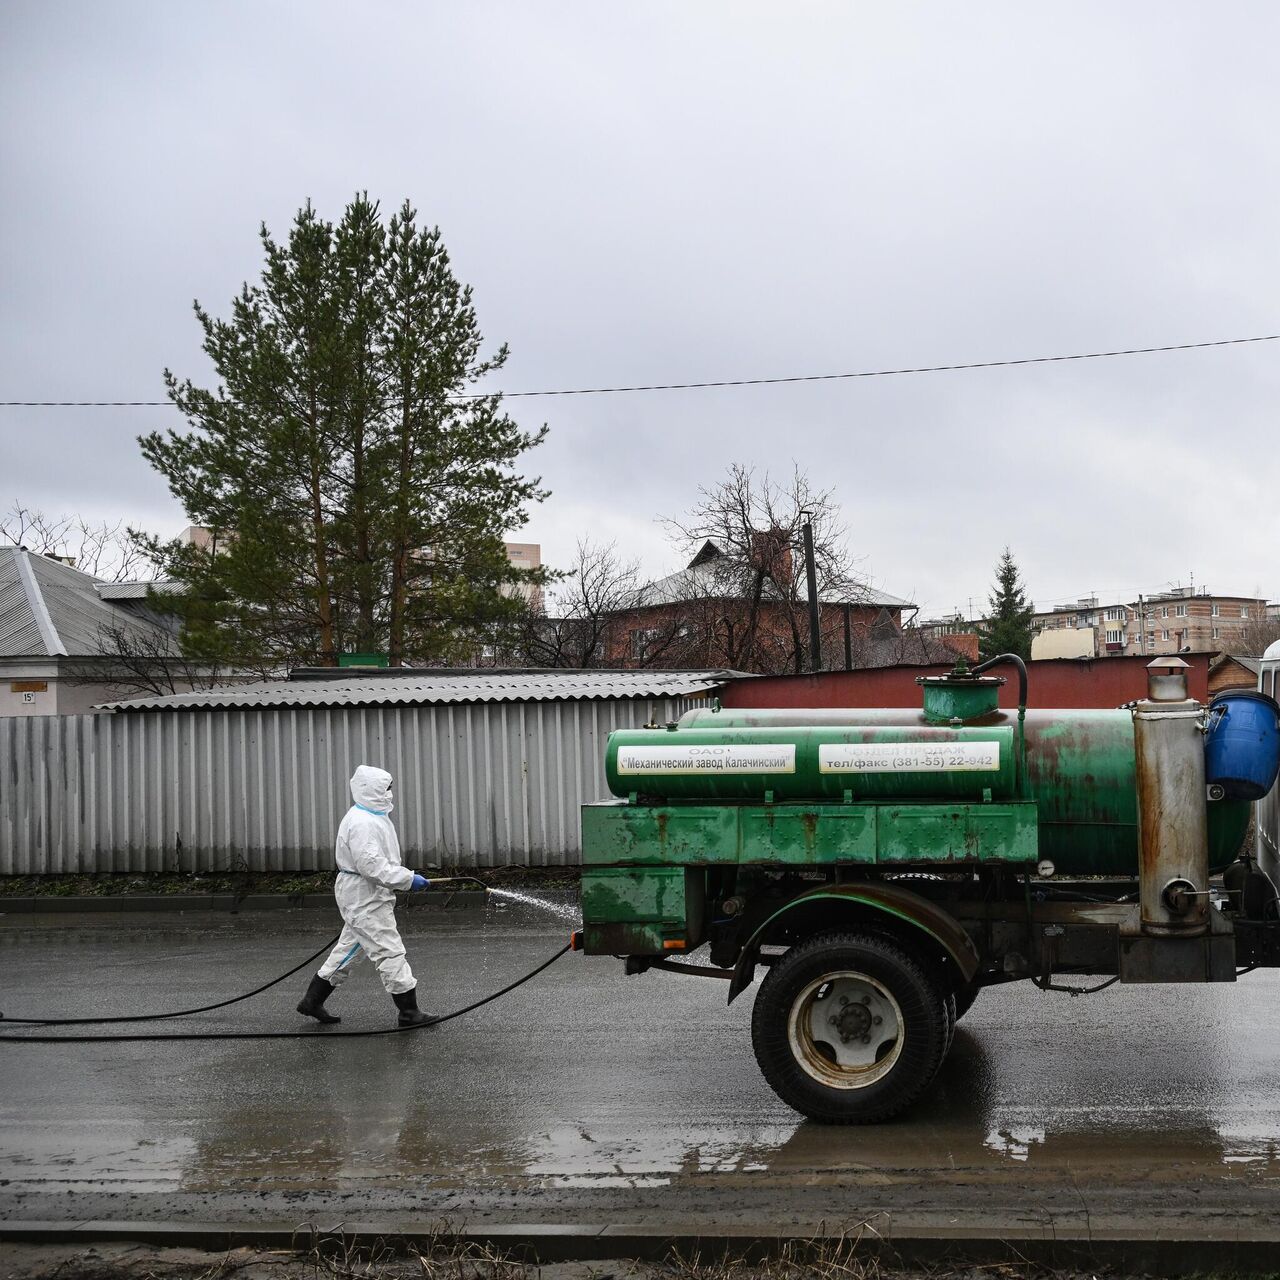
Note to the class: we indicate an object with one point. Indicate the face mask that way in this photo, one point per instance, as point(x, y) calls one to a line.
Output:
point(387, 801)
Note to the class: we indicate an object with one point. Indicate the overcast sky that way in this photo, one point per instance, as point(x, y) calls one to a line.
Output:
point(676, 192)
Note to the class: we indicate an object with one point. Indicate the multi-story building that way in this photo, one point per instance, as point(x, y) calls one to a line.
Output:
point(1164, 622)
point(1199, 620)
point(526, 555)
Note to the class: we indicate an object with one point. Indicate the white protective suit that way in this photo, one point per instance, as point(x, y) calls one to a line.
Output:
point(369, 872)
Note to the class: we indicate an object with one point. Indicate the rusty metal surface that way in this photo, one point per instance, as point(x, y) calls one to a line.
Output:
point(1173, 824)
point(886, 901)
point(1080, 773)
point(1053, 682)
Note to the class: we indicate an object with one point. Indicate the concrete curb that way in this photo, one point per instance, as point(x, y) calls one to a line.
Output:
point(1187, 1248)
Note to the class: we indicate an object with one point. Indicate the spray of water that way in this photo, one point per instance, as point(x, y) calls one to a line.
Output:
point(566, 912)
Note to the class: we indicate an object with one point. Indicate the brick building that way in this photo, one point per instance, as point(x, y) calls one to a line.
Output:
point(1165, 622)
point(717, 613)
point(1181, 619)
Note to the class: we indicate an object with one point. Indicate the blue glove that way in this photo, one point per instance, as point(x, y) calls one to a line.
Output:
point(419, 882)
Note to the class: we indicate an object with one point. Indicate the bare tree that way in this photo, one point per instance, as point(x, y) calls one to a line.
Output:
point(142, 656)
point(1254, 637)
point(744, 595)
point(107, 551)
point(573, 629)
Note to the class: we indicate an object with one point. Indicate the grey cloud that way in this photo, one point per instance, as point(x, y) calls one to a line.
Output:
point(660, 192)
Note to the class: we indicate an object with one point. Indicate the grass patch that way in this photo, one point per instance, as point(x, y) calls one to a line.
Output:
point(241, 883)
point(447, 1258)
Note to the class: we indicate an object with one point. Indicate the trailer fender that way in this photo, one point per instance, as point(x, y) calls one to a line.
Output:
point(863, 901)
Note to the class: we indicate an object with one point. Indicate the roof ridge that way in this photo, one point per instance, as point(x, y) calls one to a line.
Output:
point(35, 600)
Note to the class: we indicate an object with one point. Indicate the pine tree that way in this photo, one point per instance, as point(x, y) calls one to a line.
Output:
point(1007, 628)
point(357, 496)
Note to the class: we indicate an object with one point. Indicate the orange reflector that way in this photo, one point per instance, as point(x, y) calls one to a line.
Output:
point(575, 940)
point(673, 944)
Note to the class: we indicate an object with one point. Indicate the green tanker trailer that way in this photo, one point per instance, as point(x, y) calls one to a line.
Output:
point(883, 866)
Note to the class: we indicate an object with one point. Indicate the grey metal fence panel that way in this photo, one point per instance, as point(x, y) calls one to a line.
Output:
point(477, 784)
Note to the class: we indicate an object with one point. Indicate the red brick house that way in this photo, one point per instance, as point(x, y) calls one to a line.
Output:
point(719, 612)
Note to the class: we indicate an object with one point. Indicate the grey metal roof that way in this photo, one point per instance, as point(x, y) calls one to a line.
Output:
point(132, 590)
point(423, 688)
point(1249, 664)
point(49, 609)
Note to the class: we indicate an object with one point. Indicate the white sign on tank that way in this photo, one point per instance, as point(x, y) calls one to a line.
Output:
point(909, 757)
point(765, 758)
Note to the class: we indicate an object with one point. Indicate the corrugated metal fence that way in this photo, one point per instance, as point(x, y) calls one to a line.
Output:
point(476, 784)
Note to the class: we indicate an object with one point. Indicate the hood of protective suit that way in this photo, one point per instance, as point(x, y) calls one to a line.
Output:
point(371, 788)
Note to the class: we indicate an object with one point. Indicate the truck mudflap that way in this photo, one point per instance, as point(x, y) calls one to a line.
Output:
point(863, 900)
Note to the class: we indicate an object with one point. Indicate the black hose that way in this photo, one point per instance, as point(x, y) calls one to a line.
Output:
point(1016, 661)
point(204, 1008)
point(178, 1013)
point(282, 1035)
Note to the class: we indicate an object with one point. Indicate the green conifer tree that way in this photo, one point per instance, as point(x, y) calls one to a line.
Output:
point(357, 497)
point(1007, 628)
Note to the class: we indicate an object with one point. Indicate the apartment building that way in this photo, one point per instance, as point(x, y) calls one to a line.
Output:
point(1199, 620)
point(1163, 622)
point(525, 555)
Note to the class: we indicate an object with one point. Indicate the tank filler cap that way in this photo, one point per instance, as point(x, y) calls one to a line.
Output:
point(961, 675)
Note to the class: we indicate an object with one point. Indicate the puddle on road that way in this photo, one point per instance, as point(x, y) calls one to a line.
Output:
point(605, 1082)
point(1015, 1143)
point(109, 1156)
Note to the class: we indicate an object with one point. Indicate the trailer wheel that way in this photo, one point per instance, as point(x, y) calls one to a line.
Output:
point(849, 1028)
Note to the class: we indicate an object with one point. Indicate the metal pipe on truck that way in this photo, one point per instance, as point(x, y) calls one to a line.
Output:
point(1173, 810)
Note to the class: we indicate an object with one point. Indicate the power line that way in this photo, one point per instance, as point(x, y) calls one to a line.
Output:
point(730, 382)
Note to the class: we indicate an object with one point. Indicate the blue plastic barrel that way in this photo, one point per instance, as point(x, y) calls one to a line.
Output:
point(1242, 747)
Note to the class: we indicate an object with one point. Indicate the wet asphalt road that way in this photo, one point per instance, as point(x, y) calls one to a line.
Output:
point(587, 1096)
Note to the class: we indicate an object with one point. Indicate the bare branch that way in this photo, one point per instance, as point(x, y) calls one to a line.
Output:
point(110, 552)
point(137, 659)
point(744, 599)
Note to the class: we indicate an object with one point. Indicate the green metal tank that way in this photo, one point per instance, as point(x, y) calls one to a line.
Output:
point(1078, 769)
point(811, 763)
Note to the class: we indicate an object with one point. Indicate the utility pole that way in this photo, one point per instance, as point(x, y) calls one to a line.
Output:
point(811, 578)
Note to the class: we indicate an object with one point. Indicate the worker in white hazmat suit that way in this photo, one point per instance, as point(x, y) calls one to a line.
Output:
point(369, 873)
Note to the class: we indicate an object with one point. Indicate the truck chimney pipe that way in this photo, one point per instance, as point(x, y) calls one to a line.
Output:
point(1173, 813)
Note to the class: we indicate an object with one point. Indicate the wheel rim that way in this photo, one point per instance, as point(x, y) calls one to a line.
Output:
point(845, 1029)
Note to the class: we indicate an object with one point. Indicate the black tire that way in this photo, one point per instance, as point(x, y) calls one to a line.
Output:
point(878, 1080)
point(965, 996)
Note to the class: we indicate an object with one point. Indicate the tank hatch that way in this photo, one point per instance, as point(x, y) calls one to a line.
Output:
point(959, 695)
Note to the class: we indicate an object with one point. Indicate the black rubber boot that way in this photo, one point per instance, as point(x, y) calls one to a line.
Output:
point(312, 1004)
point(410, 1014)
